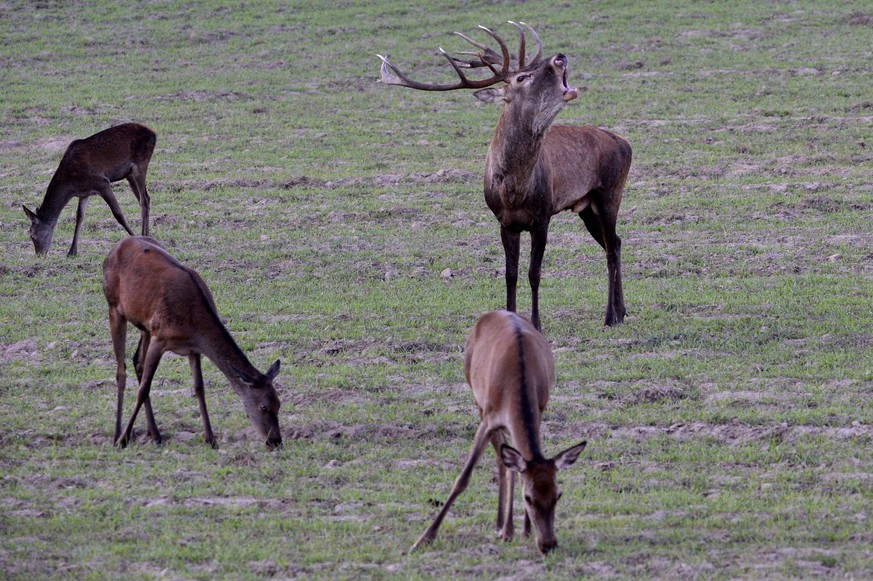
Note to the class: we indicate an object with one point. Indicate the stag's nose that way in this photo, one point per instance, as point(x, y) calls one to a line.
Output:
point(274, 443)
point(560, 60)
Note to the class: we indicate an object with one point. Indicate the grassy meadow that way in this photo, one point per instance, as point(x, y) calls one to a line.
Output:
point(341, 227)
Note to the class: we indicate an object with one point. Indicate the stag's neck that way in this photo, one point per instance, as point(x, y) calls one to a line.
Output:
point(514, 160)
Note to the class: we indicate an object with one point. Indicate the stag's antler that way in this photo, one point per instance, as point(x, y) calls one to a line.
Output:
point(485, 57)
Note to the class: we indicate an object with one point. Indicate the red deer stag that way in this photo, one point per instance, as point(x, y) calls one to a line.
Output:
point(174, 310)
point(510, 368)
point(88, 167)
point(534, 170)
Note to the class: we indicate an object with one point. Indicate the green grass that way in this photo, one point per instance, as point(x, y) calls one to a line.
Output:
point(728, 419)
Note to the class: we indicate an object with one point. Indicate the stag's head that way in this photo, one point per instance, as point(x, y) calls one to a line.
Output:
point(536, 89)
point(539, 484)
point(262, 403)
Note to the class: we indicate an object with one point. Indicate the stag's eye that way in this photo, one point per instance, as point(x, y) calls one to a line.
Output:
point(521, 78)
point(560, 494)
point(527, 498)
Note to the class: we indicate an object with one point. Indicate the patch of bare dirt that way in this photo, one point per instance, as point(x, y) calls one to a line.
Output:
point(24, 350)
point(338, 431)
point(733, 433)
point(860, 19)
point(657, 394)
point(387, 180)
point(198, 96)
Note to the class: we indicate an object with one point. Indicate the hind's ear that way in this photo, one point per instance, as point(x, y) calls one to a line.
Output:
point(568, 456)
point(273, 371)
point(512, 458)
point(31, 215)
point(246, 378)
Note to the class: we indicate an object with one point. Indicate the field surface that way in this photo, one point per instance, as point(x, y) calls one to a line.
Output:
point(341, 226)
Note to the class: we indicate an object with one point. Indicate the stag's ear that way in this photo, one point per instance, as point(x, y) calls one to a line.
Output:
point(30, 214)
point(568, 456)
point(491, 95)
point(512, 459)
point(273, 371)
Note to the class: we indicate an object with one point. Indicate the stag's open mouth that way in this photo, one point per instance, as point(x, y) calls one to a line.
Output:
point(570, 93)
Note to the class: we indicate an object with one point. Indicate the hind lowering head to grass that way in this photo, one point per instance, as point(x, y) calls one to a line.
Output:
point(174, 310)
point(88, 168)
point(534, 170)
point(510, 368)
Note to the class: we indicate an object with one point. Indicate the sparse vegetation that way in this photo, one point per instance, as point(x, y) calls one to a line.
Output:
point(341, 227)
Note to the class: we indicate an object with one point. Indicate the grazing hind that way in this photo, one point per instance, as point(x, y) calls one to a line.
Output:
point(173, 309)
point(510, 368)
point(88, 168)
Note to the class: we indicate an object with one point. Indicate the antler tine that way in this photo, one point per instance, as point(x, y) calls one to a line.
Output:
point(391, 75)
point(520, 44)
point(539, 42)
point(478, 45)
point(487, 56)
point(503, 49)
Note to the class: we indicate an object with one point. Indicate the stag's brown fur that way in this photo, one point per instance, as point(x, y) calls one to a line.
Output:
point(534, 170)
point(510, 369)
point(88, 167)
point(173, 309)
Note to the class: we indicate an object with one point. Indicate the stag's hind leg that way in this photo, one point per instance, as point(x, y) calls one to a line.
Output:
point(602, 229)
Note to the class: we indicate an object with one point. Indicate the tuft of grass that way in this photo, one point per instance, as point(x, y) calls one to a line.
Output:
point(727, 419)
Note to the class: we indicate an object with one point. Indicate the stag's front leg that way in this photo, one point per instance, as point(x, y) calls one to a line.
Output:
point(511, 243)
point(538, 238)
